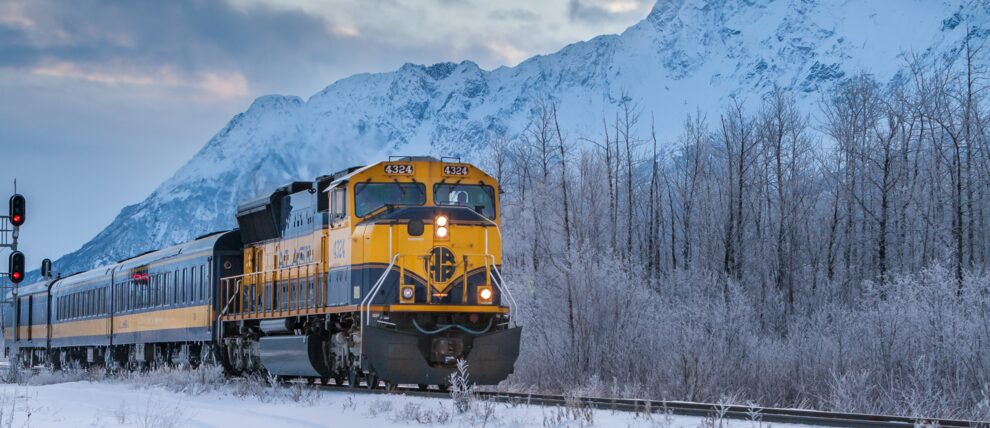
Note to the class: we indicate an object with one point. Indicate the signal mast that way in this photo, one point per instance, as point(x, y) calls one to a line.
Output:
point(10, 227)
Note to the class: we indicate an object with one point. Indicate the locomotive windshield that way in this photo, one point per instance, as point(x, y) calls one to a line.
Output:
point(477, 197)
point(369, 197)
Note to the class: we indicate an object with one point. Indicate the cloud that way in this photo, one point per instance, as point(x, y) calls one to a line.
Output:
point(193, 44)
point(595, 11)
point(68, 70)
point(344, 31)
point(12, 14)
point(513, 14)
point(228, 86)
point(508, 53)
point(218, 86)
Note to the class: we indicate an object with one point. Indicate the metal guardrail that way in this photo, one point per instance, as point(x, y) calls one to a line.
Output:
point(284, 292)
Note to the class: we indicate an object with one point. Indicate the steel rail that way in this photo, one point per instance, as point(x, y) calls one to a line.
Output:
point(684, 408)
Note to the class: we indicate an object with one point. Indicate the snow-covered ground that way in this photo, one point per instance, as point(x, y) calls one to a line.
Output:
point(183, 400)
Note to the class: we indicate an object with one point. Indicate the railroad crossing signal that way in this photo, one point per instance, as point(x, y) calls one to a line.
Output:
point(18, 207)
point(16, 267)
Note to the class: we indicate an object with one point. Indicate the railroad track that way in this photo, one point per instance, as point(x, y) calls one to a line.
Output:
point(683, 408)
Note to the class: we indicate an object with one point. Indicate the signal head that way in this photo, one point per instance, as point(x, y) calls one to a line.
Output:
point(16, 267)
point(18, 206)
point(46, 268)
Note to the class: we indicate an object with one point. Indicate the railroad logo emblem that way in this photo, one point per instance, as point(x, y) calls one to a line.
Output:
point(441, 264)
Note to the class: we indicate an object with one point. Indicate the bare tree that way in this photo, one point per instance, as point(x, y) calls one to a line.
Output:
point(739, 143)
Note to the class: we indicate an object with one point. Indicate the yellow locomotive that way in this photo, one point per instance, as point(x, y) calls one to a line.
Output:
point(388, 272)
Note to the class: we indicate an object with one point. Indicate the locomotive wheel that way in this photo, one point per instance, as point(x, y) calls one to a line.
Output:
point(324, 381)
point(338, 379)
point(423, 387)
point(391, 387)
point(443, 387)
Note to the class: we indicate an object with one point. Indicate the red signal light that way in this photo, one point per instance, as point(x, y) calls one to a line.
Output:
point(16, 267)
point(18, 210)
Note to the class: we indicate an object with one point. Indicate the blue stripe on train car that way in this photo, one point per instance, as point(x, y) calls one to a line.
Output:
point(191, 334)
point(73, 341)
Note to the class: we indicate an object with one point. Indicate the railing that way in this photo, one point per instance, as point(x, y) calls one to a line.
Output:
point(502, 288)
point(302, 290)
point(366, 301)
point(285, 292)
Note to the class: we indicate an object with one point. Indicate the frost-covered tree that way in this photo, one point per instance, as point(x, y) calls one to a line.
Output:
point(833, 258)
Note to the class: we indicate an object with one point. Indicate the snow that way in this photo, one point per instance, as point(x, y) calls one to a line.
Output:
point(686, 56)
point(156, 401)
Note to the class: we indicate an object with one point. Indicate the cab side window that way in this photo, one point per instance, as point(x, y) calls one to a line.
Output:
point(338, 204)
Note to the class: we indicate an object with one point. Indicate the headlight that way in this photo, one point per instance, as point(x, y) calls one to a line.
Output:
point(484, 295)
point(441, 232)
point(407, 294)
point(441, 220)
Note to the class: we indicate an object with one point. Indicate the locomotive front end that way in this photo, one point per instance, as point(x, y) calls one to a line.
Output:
point(428, 286)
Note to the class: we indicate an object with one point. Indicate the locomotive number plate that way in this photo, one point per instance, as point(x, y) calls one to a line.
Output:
point(399, 169)
point(455, 170)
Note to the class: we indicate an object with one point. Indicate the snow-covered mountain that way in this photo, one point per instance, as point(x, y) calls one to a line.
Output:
point(686, 55)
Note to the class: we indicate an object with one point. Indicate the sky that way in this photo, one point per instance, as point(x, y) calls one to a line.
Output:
point(101, 101)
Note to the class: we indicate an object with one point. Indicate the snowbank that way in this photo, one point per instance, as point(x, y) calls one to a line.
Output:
point(194, 399)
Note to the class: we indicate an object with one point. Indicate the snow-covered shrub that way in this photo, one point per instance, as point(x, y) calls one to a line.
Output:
point(717, 418)
point(348, 404)
point(914, 345)
point(304, 394)
point(13, 374)
point(378, 407)
point(39, 377)
point(416, 412)
point(850, 391)
point(461, 388)
point(485, 414)
point(155, 414)
point(204, 379)
point(573, 414)
point(250, 386)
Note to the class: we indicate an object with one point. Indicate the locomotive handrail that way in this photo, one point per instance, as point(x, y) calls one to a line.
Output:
point(297, 286)
point(226, 306)
point(374, 289)
point(369, 298)
point(500, 283)
point(270, 271)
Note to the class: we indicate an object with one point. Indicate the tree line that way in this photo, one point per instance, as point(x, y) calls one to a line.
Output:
point(786, 212)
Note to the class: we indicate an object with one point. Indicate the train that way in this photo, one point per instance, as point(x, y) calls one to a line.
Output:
point(383, 274)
